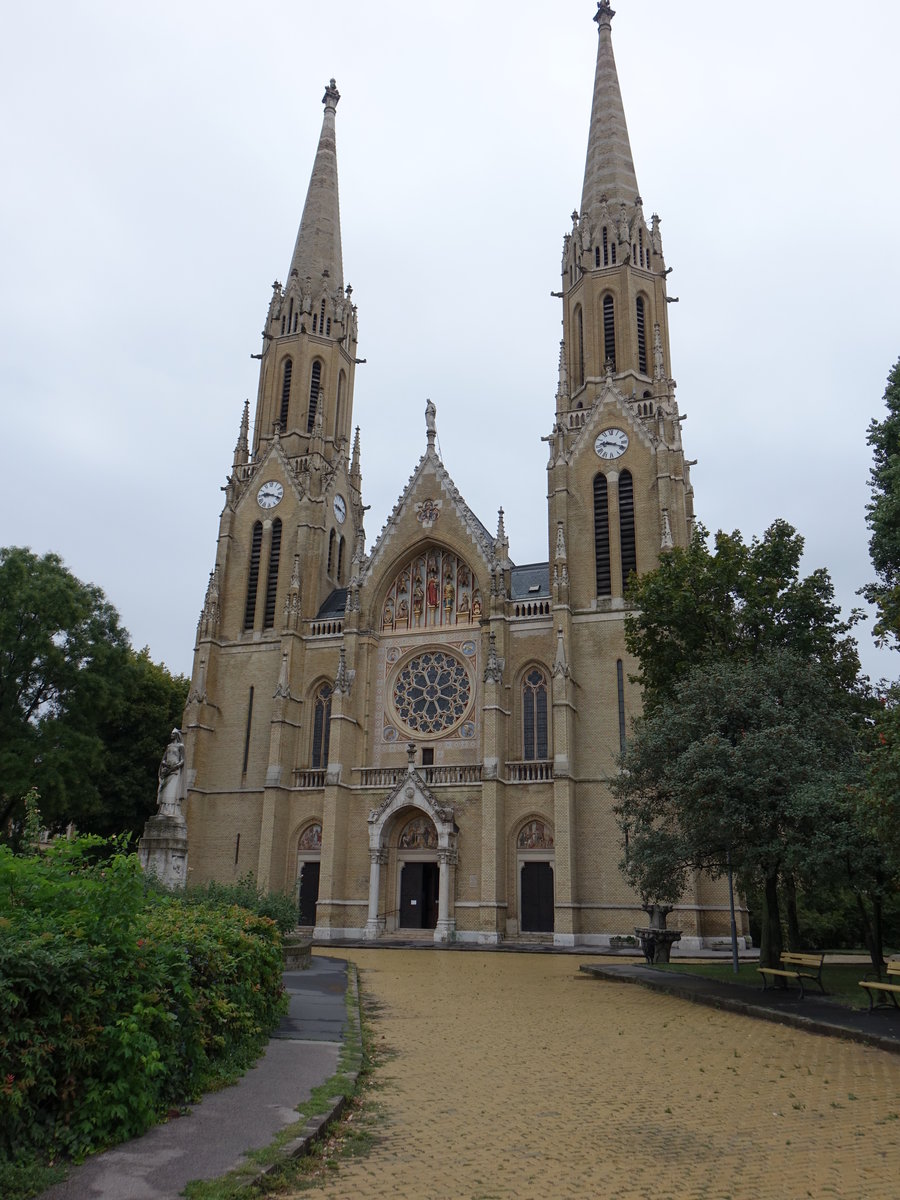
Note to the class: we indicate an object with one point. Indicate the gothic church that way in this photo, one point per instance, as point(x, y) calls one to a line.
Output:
point(418, 738)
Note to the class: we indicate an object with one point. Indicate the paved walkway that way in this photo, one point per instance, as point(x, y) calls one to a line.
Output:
point(213, 1138)
point(519, 1076)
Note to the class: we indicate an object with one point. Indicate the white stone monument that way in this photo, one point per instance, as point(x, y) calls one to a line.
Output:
point(163, 850)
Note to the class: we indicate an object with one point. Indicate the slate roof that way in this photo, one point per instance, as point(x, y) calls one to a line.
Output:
point(334, 606)
point(532, 575)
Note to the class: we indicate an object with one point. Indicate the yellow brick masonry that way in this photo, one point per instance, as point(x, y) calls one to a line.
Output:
point(513, 1076)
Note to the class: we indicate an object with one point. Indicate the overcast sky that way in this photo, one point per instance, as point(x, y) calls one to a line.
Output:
point(156, 158)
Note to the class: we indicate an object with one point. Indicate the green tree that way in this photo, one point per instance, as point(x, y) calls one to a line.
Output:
point(699, 605)
point(883, 516)
point(83, 718)
point(730, 605)
point(748, 760)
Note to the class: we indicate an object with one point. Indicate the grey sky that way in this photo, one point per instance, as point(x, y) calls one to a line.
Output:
point(156, 162)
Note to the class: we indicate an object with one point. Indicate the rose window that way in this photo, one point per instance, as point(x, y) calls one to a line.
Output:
point(431, 692)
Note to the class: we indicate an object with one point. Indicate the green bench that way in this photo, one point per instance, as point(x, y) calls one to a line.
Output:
point(797, 967)
point(878, 987)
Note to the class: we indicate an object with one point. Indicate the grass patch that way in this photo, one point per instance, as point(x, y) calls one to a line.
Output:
point(841, 980)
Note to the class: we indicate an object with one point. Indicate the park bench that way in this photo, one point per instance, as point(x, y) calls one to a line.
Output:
point(795, 966)
point(889, 987)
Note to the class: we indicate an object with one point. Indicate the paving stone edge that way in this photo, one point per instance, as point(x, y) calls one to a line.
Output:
point(796, 1020)
point(317, 1126)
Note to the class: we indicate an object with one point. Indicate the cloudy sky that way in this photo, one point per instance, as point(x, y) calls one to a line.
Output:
point(156, 159)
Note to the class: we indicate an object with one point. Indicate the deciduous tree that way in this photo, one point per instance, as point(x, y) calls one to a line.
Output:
point(883, 516)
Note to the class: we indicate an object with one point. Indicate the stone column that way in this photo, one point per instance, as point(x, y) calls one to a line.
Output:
point(446, 925)
point(375, 924)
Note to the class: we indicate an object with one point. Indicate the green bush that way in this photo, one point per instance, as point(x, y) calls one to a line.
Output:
point(118, 1002)
point(278, 906)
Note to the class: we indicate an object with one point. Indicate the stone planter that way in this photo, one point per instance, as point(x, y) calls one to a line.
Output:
point(297, 948)
point(656, 944)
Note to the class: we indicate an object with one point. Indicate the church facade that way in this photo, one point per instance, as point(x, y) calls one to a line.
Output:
point(419, 737)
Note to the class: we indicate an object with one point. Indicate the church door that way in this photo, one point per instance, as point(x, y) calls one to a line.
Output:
point(309, 892)
point(537, 897)
point(419, 895)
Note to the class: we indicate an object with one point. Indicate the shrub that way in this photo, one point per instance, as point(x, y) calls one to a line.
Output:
point(117, 1002)
point(281, 907)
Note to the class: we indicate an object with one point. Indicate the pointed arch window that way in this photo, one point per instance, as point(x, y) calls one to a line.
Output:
point(579, 346)
point(342, 379)
point(641, 334)
point(322, 317)
point(321, 726)
point(340, 565)
point(534, 715)
point(331, 541)
point(605, 246)
point(596, 256)
point(253, 575)
point(626, 526)
point(641, 246)
point(601, 536)
point(609, 331)
point(272, 578)
point(315, 382)
point(286, 393)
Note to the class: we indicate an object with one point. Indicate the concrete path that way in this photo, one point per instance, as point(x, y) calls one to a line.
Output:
point(519, 1076)
point(214, 1136)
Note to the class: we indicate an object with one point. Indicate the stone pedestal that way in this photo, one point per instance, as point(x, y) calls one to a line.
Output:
point(297, 949)
point(656, 944)
point(163, 850)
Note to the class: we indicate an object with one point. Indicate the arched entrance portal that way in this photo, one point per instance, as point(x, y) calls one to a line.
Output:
point(534, 858)
point(309, 857)
point(419, 874)
point(420, 894)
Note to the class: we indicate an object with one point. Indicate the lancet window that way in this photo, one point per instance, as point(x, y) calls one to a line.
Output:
point(315, 382)
point(253, 575)
point(601, 536)
point(641, 334)
point(321, 726)
point(534, 715)
point(286, 393)
point(433, 590)
point(626, 526)
point(272, 579)
point(609, 331)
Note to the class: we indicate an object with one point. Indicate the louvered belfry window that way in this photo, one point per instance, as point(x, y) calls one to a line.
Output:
point(601, 536)
point(315, 382)
point(272, 579)
point(285, 393)
point(641, 335)
point(609, 331)
point(626, 526)
point(253, 575)
point(534, 716)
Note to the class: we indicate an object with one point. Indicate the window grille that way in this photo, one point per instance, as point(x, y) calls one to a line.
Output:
point(272, 580)
point(253, 575)
point(601, 536)
point(641, 335)
point(315, 382)
point(626, 526)
point(286, 393)
point(609, 331)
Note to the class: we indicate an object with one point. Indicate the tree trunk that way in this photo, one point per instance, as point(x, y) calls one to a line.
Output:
point(770, 928)
point(795, 940)
point(872, 930)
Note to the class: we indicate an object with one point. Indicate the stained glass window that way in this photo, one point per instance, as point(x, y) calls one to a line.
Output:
point(432, 692)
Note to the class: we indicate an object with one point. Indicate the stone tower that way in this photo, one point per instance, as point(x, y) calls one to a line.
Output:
point(420, 739)
point(288, 534)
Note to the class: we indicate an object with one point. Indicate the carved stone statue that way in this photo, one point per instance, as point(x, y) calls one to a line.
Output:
point(163, 850)
point(430, 414)
point(170, 792)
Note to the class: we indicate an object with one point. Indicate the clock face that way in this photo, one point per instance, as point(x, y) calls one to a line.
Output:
point(269, 494)
point(340, 508)
point(611, 443)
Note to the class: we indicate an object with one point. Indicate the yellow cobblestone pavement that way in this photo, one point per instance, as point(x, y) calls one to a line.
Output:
point(511, 1075)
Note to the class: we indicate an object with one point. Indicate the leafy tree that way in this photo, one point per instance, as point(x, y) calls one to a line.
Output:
point(748, 759)
point(83, 718)
point(883, 516)
point(732, 603)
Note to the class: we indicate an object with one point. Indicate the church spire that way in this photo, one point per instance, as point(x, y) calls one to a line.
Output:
point(609, 168)
point(317, 251)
